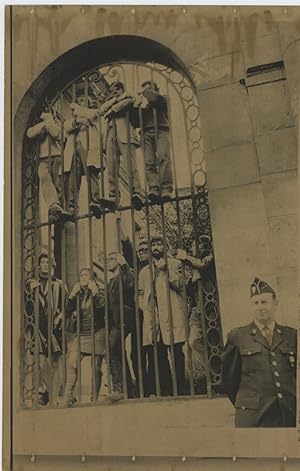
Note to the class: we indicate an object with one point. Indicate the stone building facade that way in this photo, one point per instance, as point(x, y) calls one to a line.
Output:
point(244, 63)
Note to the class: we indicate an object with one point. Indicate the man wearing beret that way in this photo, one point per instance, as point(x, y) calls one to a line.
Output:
point(259, 366)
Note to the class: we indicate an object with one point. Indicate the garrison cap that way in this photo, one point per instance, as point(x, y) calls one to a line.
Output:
point(259, 286)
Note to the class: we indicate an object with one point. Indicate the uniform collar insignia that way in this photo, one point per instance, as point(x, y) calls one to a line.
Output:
point(279, 331)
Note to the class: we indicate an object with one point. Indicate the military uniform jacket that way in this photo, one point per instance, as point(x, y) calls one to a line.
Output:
point(260, 380)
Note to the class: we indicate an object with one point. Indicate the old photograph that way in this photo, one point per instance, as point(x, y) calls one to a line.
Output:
point(151, 234)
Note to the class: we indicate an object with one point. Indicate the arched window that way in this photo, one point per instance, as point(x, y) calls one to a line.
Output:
point(115, 201)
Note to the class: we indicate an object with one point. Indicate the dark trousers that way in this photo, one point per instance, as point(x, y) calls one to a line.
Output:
point(113, 152)
point(165, 377)
point(74, 181)
point(115, 361)
point(138, 373)
point(158, 162)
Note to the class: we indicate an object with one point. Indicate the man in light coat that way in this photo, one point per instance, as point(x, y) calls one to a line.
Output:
point(46, 135)
point(81, 153)
point(170, 323)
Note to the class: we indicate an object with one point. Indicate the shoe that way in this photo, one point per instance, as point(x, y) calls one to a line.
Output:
point(109, 204)
point(137, 201)
point(96, 209)
point(58, 214)
point(166, 195)
point(115, 396)
point(43, 398)
point(154, 197)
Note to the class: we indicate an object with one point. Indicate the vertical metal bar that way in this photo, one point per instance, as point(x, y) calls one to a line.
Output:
point(36, 298)
point(136, 303)
point(87, 170)
point(23, 347)
point(121, 293)
point(172, 153)
point(63, 241)
point(170, 316)
point(50, 310)
point(102, 189)
point(199, 288)
point(75, 194)
point(156, 362)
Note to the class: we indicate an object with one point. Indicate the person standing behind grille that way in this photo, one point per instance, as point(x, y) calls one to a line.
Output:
point(47, 370)
point(157, 146)
point(164, 279)
point(82, 151)
point(120, 139)
point(120, 271)
point(88, 292)
point(46, 134)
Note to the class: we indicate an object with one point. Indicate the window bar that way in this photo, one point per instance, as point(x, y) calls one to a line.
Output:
point(172, 153)
point(76, 211)
point(135, 268)
point(199, 287)
point(23, 346)
point(36, 298)
point(90, 222)
point(102, 190)
point(121, 293)
point(156, 362)
point(63, 243)
point(170, 316)
point(50, 312)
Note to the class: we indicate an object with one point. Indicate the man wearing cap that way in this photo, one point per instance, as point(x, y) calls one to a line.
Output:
point(167, 285)
point(259, 366)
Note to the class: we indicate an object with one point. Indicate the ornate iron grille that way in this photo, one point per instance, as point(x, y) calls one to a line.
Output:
point(181, 220)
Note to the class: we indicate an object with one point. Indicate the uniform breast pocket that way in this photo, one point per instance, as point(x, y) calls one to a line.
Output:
point(250, 358)
point(289, 355)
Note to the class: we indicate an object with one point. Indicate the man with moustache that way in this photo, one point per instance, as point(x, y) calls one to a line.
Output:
point(259, 366)
point(166, 276)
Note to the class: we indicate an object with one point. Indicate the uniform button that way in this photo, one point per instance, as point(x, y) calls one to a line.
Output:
point(273, 354)
point(276, 373)
point(249, 353)
point(280, 396)
point(274, 363)
point(278, 385)
point(243, 408)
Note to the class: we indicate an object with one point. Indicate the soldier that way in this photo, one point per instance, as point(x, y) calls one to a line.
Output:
point(259, 366)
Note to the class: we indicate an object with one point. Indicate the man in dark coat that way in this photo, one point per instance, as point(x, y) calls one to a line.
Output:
point(120, 284)
point(259, 366)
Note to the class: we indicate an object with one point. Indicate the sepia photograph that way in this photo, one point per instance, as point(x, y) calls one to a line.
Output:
point(151, 308)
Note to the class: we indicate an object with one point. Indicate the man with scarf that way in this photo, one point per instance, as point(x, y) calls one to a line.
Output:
point(48, 369)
